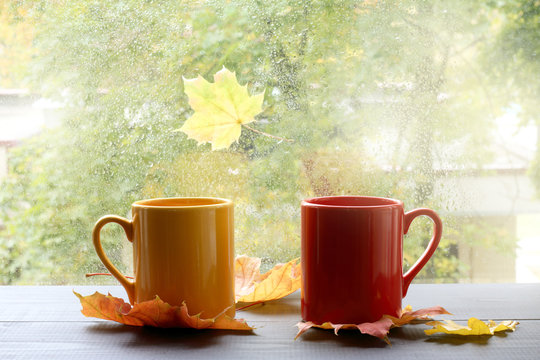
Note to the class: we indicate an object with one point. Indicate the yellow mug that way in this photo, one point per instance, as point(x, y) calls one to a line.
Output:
point(183, 250)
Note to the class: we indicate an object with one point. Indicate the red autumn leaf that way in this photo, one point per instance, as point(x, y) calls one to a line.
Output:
point(155, 313)
point(379, 328)
point(407, 315)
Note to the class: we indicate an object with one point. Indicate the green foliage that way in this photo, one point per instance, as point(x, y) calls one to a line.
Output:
point(514, 55)
point(355, 84)
point(16, 35)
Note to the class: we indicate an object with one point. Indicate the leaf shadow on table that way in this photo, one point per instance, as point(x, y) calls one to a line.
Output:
point(402, 336)
point(354, 338)
point(147, 336)
point(346, 338)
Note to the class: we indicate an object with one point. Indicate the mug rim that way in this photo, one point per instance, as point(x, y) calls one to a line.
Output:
point(384, 202)
point(213, 202)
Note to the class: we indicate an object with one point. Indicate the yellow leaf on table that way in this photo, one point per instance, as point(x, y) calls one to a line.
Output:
point(220, 109)
point(252, 286)
point(474, 327)
point(155, 313)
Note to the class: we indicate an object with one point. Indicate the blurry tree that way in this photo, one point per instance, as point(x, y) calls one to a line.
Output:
point(513, 58)
point(16, 50)
point(374, 94)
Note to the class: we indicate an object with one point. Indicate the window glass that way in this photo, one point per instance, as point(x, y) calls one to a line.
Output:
point(430, 102)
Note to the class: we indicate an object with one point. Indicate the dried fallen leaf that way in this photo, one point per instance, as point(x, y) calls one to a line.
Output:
point(407, 315)
point(221, 108)
point(474, 327)
point(252, 286)
point(155, 313)
point(379, 328)
point(246, 274)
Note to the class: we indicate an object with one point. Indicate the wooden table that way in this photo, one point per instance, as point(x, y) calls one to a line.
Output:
point(44, 322)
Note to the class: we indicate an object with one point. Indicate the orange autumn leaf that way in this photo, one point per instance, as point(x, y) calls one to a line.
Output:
point(246, 274)
point(155, 313)
point(379, 328)
point(252, 286)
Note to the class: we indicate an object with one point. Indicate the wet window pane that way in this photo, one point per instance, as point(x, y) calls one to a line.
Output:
point(431, 102)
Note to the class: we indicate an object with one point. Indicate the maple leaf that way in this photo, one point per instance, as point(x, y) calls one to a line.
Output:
point(407, 315)
point(278, 282)
point(221, 108)
point(474, 327)
point(246, 274)
point(252, 286)
point(379, 328)
point(155, 313)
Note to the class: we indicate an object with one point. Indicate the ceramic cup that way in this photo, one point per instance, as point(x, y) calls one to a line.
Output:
point(352, 257)
point(183, 250)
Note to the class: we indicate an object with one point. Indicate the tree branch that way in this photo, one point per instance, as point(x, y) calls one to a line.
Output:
point(268, 135)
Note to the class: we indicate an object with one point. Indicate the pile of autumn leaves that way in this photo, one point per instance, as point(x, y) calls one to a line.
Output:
point(253, 287)
point(250, 287)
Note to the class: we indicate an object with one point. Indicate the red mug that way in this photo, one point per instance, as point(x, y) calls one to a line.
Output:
point(352, 257)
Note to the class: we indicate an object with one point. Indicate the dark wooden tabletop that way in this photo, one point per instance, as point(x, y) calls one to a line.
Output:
point(44, 322)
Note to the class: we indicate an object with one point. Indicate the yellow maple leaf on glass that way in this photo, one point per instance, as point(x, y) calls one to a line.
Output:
point(220, 109)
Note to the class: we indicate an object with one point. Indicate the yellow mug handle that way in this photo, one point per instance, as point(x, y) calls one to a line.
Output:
point(128, 228)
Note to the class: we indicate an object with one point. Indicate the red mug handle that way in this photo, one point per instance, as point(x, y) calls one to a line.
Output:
point(433, 243)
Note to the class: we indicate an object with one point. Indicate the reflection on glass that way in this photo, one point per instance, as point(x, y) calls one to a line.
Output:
point(430, 102)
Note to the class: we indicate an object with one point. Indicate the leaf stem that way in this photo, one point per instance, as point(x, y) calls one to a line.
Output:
point(267, 135)
point(106, 274)
point(250, 305)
